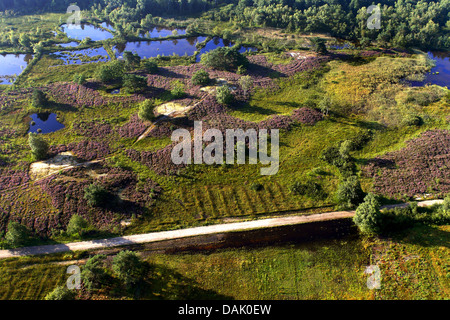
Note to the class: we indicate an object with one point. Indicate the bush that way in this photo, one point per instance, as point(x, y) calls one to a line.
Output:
point(150, 66)
point(38, 99)
point(224, 58)
point(96, 195)
point(60, 293)
point(177, 91)
point(17, 235)
point(77, 226)
point(113, 70)
point(38, 146)
point(368, 215)
point(134, 83)
point(256, 186)
point(132, 60)
point(93, 272)
point(412, 120)
point(223, 95)
point(146, 110)
point(79, 78)
point(128, 267)
point(349, 192)
point(310, 189)
point(200, 78)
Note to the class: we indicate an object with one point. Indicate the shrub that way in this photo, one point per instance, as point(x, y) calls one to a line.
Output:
point(146, 110)
point(200, 78)
point(177, 91)
point(60, 293)
point(17, 234)
point(349, 192)
point(128, 267)
point(150, 66)
point(132, 60)
point(38, 99)
point(110, 71)
point(79, 78)
point(310, 189)
point(223, 95)
point(96, 195)
point(39, 147)
point(93, 272)
point(412, 120)
point(246, 83)
point(256, 186)
point(134, 83)
point(77, 226)
point(224, 58)
point(368, 215)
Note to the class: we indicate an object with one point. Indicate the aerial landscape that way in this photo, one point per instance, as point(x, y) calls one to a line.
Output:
point(224, 150)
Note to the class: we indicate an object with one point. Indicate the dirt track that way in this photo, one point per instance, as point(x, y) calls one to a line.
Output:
point(184, 233)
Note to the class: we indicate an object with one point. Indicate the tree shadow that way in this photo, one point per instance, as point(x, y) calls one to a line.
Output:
point(425, 235)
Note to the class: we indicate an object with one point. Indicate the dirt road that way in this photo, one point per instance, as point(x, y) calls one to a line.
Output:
point(184, 233)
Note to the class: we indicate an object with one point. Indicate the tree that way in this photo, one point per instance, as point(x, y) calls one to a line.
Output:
point(319, 45)
point(246, 82)
point(79, 78)
point(325, 105)
point(368, 215)
point(224, 58)
point(128, 267)
point(77, 226)
point(223, 95)
point(132, 60)
point(200, 78)
point(134, 83)
point(146, 110)
point(96, 195)
point(17, 234)
point(177, 89)
point(113, 70)
point(349, 192)
point(93, 272)
point(60, 293)
point(38, 99)
point(39, 147)
point(150, 66)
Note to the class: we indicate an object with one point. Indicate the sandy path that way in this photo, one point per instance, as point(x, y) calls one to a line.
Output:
point(184, 233)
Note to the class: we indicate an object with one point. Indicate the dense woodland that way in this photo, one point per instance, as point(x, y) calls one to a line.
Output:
point(404, 23)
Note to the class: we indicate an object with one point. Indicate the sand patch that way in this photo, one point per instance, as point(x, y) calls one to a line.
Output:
point(41, 169)
point(169, 108)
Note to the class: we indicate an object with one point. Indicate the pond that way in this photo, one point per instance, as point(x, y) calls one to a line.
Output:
point(439, 74)
point(82, 56)
point(150, 49)
point(86, 30)
point(45, 122)
point(161, 32)
point(185, 46)
point(11, 65)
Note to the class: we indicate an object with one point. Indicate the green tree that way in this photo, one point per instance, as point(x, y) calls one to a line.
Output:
point(96, 195)
point(60, 293)
point(128, 267)
point(246, 83)
point(368, 215)
point(349, 192)
point(39, 147)
point(146, 110)
point(150, 66)
point(77, 226)
point(224, 58)
point(223, 95)
point(93, 272)
point(200, 78)
point(79, 78)
point(113, 70)
point(17, 234)
point(38, 99)
point(132, 60)
point(177, 90)
point(319, 45)
point(134, 83)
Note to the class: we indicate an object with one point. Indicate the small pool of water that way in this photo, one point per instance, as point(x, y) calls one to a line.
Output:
point(44, 123)
point(86, 30)
point(217, 42)
point(69, 44)
point(12, 64)
point(160, 32)
point(440, 74)
point(82, 56)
